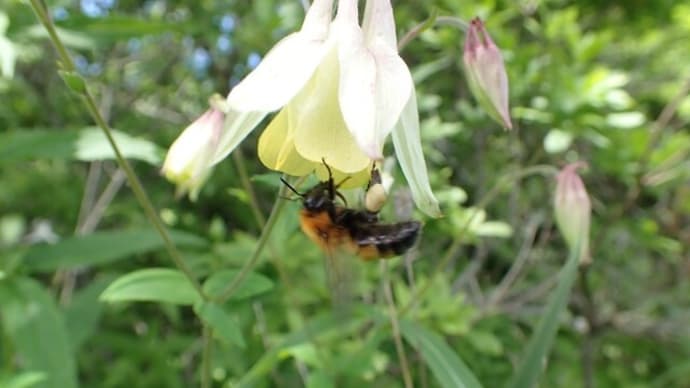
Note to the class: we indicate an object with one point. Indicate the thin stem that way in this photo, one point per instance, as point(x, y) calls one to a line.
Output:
point(94, 217)
point(393, 313)
point(238, 158)
point(517, 266)
point(431, 21)
point(260, 245)
point(132, 179)
point(460, 239)
point(206, 355)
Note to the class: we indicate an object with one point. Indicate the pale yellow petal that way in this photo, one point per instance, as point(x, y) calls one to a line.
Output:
point(319, 127)
point(277, 148)
point(346, 181)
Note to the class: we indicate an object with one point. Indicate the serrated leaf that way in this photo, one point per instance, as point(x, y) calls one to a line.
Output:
point(101, 248)
point(224, 326)
point(252, 285)
point(32, 321)
point(450, 371)
point(152, 285)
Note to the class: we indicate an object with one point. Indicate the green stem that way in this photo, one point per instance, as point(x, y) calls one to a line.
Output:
point(395, 327)
point(460, 239)
point(206, 357)
point(431, 21)
point(132, 179)
point(260, 245)
point(238, 158)
point(536, 353)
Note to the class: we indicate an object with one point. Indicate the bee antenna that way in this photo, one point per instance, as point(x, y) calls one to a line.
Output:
point(289, 186)
point(330, 173)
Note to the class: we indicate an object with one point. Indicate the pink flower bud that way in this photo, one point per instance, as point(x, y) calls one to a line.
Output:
point(486, 73)
point(573, 209)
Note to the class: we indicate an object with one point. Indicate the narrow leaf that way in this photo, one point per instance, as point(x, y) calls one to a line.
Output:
point(537, 351)
point(101, 248)
point(32, 321)
point(152, 285)
point(450, 371)
point(225, 327)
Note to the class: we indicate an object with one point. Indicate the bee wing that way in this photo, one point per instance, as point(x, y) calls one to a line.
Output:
point(340, 275)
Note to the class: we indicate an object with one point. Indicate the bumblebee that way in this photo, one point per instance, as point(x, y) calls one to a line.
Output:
point(332, 225)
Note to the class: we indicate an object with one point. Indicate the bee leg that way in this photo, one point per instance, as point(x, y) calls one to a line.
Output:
point(337, 193)
point(289, 186)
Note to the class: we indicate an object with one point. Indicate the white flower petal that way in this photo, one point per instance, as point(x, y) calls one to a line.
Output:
point(375, 84)
point(374, 81)
point(287, 67)
point(279, 76)
point(317, 19)
point(378, 23)
point(357, 94)
point(236, 127)
point(408, 150)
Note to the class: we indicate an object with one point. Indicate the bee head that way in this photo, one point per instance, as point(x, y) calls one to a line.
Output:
point(318, 198)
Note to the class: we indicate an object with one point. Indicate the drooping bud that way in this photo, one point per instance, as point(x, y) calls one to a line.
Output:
point(573, 209)
point(189, 160)
point(486, 73)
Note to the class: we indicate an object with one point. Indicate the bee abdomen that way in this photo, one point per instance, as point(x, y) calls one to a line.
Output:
point(386, 240)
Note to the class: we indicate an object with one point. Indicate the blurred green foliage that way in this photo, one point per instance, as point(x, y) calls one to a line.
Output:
point(603, 82)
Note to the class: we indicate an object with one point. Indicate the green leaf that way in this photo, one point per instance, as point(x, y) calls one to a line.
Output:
point(70, 38)
point(225, 327)
point(320, 379)
point(533, 361)
point(625, 120)
point(329, 323)
point(84, 311)
point(447, 367)
point(557, 141)
point(20, 145)
point(86, 144)
point(73, 81)
point(8, 57)
point(152, 285)
point(93, 145)
point(493, 229)
point(34, 324)
point(101, 248)
point(22, 380)
point(253, 284)
point(118, 27)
